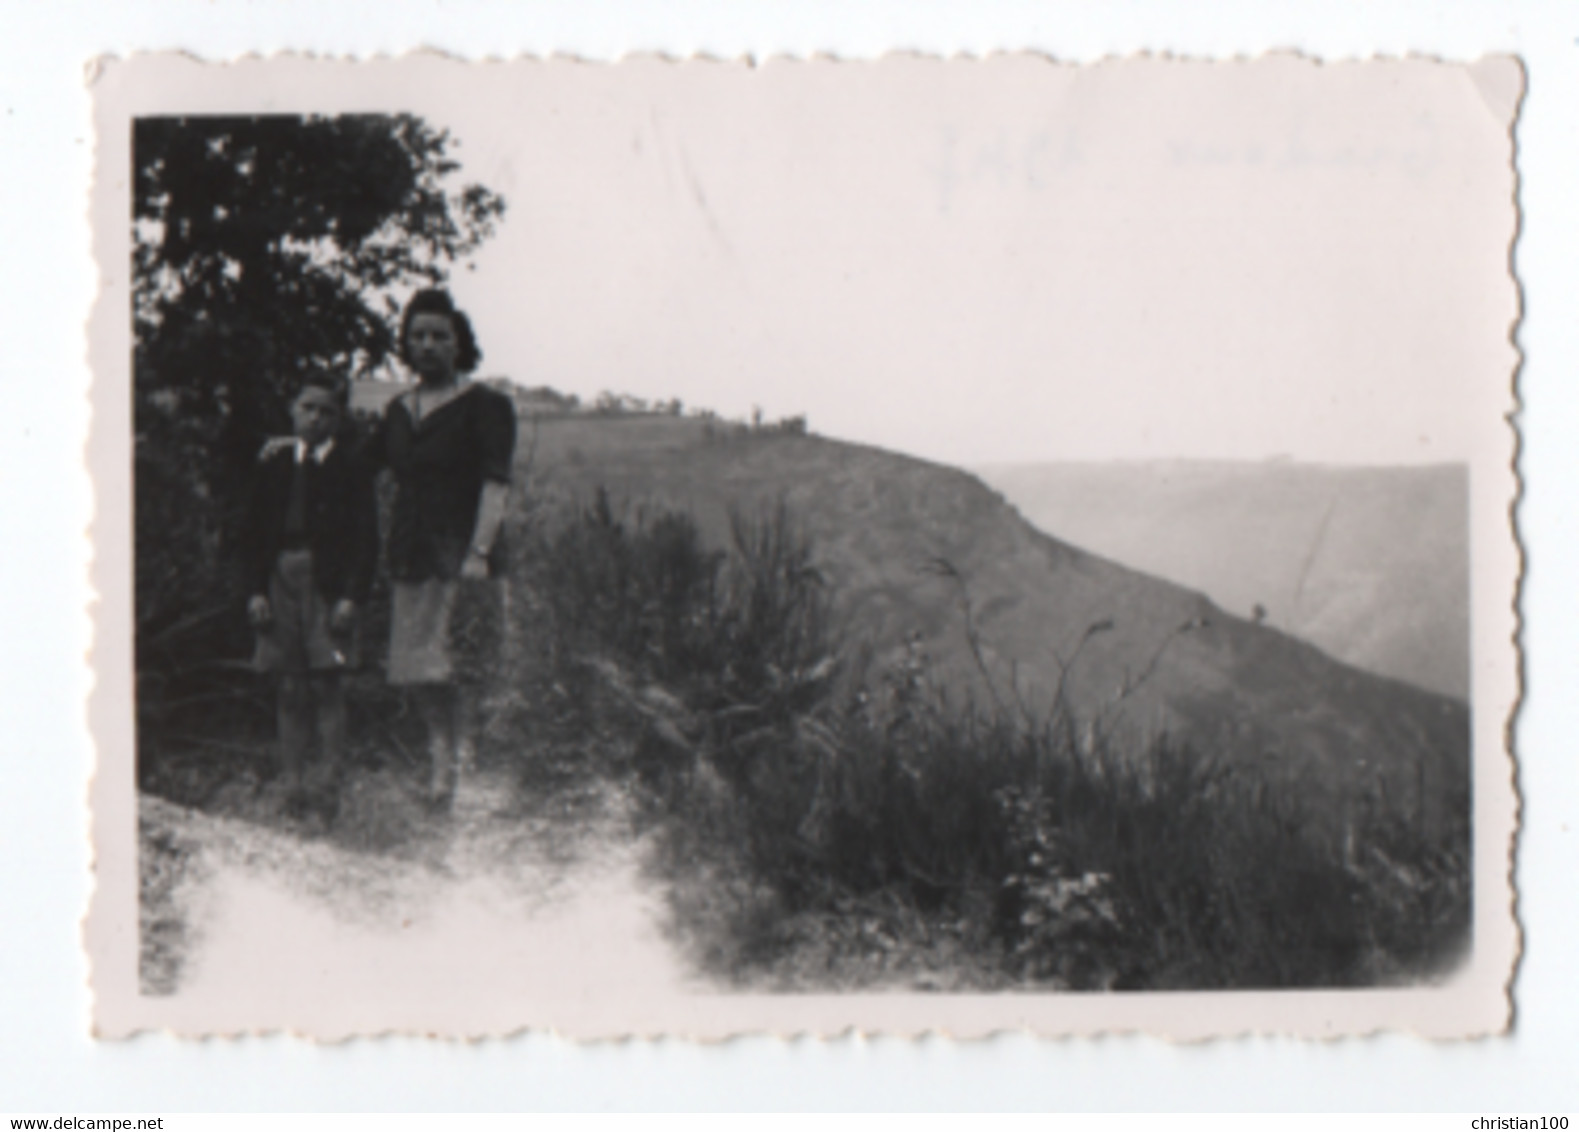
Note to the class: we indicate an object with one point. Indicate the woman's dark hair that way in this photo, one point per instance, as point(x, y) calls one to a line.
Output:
point(433, 300)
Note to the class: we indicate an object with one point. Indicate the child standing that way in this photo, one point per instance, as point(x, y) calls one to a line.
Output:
point(309, 545)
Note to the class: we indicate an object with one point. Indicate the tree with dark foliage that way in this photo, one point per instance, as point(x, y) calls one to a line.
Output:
point(262, 247)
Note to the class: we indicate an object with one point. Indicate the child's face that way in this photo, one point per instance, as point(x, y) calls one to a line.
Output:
point(314, 414)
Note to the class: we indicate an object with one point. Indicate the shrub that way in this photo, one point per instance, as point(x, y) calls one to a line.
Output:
point(824, 824)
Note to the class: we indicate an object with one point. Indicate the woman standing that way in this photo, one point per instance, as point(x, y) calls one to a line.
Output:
point(450, 444)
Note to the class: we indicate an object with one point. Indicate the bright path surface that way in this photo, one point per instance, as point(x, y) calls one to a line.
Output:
point(490, 921)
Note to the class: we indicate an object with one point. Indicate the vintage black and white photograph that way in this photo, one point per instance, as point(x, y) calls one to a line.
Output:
point(706, 548)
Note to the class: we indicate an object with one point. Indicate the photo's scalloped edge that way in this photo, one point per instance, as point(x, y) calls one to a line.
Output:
point(94, 68)
point(100, 565)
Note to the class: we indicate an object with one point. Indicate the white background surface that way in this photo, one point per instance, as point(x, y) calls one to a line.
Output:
point(47, 1061)
point(1009, 262)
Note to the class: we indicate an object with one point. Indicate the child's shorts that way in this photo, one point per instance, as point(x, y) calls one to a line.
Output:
point(298, 637)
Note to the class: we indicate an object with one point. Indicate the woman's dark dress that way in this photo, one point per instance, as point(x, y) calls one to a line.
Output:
point(443, 629)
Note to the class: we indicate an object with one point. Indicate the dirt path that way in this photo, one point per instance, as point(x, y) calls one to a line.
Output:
point(397, 920)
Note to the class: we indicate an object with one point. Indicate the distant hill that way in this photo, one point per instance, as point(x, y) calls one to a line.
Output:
point(1369, 564)
point(1157, 658)
point(371, 396)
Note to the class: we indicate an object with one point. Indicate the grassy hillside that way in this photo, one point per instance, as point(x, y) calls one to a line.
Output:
point(882, 731)
point(1369, 564)
point(1137, 658)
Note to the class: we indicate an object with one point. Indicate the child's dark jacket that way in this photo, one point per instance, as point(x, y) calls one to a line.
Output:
point(341, 522)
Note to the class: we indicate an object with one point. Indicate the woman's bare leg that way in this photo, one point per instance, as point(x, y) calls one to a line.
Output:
point(466, 717)
point(436, 703)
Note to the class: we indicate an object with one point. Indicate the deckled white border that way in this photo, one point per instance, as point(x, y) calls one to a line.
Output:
point(47, 1062)
point(1473, 1003)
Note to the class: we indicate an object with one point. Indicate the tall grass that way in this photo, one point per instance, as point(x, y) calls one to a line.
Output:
point(828, 818)
point(827, 823)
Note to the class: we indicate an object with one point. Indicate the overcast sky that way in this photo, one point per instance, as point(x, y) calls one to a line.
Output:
point(1006, 260)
